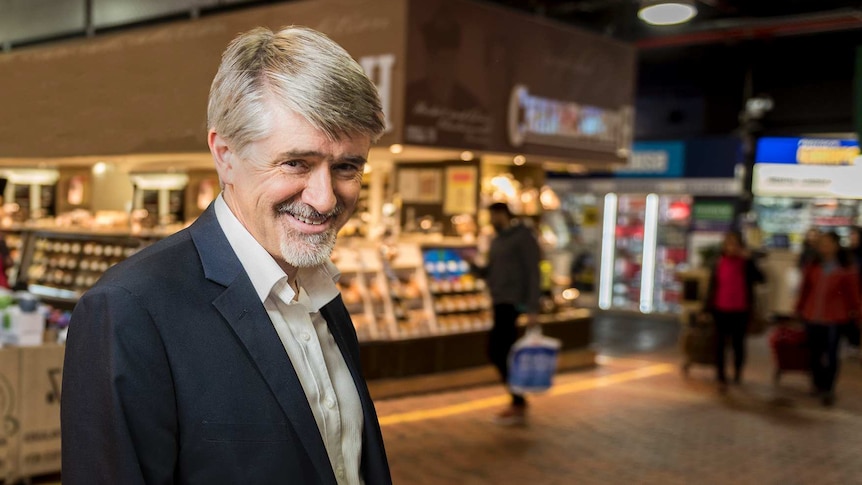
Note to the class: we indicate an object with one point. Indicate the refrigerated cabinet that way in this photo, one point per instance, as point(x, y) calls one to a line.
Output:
point(643, 246)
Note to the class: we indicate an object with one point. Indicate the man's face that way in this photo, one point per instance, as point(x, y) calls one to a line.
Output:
point(294, 189)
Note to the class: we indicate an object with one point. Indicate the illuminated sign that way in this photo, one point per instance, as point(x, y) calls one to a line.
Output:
point(783, 180)
point(807, 151)
point(565, 124)
point(654, 159)
point(825, 152)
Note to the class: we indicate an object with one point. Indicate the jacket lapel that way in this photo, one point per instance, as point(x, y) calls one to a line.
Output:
point(243, 311)
point(374, 462)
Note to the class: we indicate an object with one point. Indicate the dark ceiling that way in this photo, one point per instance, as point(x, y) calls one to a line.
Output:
point(618, 18)
point(693, 79)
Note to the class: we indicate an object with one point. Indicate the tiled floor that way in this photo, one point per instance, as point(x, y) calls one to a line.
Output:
point(635, 420)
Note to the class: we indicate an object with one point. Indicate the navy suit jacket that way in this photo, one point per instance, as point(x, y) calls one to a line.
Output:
point(174, 374)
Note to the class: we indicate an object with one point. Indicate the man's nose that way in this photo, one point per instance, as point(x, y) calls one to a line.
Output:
point(319, 192)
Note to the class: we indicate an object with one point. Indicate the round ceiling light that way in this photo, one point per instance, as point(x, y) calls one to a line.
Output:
point(667, 12)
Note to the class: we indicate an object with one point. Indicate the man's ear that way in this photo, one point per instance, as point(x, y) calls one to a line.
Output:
point(224, 157)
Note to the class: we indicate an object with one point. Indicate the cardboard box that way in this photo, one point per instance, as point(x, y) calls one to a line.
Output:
point(10, 406)
point(30, 381)
point(22, 329)
point(41, 371)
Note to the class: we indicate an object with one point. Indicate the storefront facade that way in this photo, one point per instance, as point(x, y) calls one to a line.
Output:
point(806, 183)
point(654, 219)
point(474, 97)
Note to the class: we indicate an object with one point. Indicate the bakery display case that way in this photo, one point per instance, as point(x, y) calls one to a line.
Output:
point(385, 291)
point(59, 266)
point(412, 311)
point(461, 302)
point(15, 241)
point(401, 294)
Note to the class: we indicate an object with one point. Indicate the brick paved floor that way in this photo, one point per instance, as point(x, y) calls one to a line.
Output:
point(656, 429)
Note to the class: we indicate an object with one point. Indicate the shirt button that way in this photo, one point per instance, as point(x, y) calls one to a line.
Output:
point(330, 402)
point(305, 336)
point(339, 470)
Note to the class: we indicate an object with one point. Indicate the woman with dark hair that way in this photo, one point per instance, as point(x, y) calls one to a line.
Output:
point(828, 300)
point(809, 247)
point(730, 300)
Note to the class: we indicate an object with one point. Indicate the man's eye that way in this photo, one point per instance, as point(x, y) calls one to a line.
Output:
point(292, 163)
point(347, 169)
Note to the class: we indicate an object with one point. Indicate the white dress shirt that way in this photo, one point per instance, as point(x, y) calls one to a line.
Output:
point(312, 350)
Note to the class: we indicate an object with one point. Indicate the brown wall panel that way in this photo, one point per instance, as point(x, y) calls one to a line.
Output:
point(145, 91)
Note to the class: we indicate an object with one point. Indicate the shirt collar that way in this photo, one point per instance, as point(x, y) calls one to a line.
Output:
point(317, 283)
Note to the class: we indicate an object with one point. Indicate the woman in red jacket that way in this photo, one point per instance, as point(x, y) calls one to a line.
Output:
point(730, 300)
point(828, 299)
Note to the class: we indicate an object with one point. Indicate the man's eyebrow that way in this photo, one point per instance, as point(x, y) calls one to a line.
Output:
point(300, 154)
point(357, 159)
point(290, 154)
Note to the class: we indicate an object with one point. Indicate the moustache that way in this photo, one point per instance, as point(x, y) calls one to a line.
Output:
point(305, 211)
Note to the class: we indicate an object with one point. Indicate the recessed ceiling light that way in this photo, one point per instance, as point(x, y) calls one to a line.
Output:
point(667, 12)
point(396, 148)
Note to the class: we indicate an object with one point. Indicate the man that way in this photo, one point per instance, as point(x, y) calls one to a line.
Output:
point(224, 354)
point(512, 275)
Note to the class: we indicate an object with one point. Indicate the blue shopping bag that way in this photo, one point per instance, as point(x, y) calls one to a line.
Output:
point(533, 362)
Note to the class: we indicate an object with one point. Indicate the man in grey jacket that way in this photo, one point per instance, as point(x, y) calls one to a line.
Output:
point(512, 275)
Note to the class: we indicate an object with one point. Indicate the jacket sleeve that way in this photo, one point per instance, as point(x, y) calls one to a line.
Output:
point(755, 275)
point(478, 271)
point(118, 409)
point(531, 259)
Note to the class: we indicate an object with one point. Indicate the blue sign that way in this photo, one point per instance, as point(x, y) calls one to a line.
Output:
point(655, 159)
point(806, 151)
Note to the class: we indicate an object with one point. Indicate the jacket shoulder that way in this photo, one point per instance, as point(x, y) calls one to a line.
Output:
point(162, 263)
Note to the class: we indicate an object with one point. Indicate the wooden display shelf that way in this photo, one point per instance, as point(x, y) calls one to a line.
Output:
point(439, 354)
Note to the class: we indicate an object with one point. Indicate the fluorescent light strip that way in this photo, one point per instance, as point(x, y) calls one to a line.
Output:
point(648, 266)
point(606, 271)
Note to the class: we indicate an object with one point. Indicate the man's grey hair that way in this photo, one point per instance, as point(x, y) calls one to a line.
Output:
point(299, 69)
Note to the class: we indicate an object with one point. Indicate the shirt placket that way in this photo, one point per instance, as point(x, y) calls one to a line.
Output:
point(325, 398)
point(333, 407)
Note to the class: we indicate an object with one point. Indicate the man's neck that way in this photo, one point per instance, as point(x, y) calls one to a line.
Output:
point(291, 273)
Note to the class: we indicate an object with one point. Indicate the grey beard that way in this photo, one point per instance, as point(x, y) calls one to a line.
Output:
point(308, 250)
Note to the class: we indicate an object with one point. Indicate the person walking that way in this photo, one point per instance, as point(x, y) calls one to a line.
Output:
point(809, 252)
point(730, 301)
point(828, 300)
point(512, 275)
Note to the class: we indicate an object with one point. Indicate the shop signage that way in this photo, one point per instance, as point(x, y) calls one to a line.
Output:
point(654, 159)
point(489, 79)
point(565, 124)
point(807, 151)
point(784, 180)
point(713, 215)
point(461, 190)
point(699, 186)
point(713, 211)
point(379, 69)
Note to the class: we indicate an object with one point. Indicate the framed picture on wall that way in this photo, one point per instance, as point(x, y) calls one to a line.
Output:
point(420, 185)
